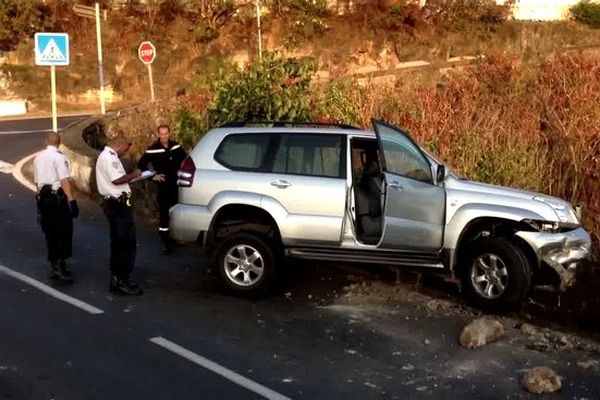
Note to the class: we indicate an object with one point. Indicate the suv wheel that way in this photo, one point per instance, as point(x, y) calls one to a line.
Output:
point(245, 262)
point(497, 274)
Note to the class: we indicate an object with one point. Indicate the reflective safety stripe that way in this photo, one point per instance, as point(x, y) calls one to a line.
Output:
point(163, 229)
point(155, 151)
point(175, 147)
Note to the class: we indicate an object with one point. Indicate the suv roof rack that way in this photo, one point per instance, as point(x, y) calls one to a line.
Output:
point(281, 124)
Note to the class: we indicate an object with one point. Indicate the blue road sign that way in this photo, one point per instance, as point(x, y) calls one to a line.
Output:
point(51, 48)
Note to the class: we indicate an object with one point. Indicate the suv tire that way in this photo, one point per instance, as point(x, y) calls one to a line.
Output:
point(246, 263)
point(496, 274)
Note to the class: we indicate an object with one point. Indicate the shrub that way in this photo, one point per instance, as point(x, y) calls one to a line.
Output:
point(464, 15)
point(272, 89)
point(587, 12)
point(211, 16)
point(189, 127)
point(336, 103)
point(303, 19)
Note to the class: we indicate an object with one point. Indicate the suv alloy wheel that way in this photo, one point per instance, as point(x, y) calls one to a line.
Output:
point(496, 274)
point(245, 262)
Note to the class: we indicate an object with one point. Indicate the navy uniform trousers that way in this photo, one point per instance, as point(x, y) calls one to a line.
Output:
point(57, 223)
point(123, 242)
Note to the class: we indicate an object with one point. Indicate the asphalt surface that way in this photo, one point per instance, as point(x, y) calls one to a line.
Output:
point(16, 126)
point(296, 342)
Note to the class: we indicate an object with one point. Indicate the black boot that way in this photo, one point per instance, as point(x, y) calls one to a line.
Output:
point(61, 272)
point(124, 286)
point(54, 270)
point(166, 243)
point(65, 270)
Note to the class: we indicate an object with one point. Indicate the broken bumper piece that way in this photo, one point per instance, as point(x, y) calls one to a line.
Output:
point(560, 251)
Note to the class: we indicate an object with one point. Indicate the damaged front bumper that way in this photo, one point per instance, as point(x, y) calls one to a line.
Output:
point(560, 251)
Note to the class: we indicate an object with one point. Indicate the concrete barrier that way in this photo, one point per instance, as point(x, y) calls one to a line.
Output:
point(81, 155)
point(13, 107)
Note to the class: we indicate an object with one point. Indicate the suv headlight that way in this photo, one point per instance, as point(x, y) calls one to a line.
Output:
point(564, 213)
point(549, 226)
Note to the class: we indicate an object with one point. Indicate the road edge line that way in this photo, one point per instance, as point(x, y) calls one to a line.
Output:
point(50, 291)
point(218, 369)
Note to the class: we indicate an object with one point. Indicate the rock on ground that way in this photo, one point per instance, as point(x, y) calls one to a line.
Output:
point(481, 332)
point(540, 380)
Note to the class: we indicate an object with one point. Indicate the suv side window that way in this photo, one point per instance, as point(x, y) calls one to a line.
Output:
point(244, 152)
point(402, 157)
point(311, 154)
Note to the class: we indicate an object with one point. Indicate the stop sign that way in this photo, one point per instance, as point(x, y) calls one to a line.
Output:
point(147, 52)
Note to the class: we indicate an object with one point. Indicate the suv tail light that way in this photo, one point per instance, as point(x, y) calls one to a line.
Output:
point(186, 172)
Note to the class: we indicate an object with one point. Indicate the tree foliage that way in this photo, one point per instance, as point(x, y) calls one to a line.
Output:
point(272, 89)
point(20, 19)
point(587, 12)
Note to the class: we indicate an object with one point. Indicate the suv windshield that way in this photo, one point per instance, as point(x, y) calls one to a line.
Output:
point(436, 160)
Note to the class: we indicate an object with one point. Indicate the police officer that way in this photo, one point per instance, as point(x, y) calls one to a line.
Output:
point(56, 205)
point(113, 186)
point(164, 156)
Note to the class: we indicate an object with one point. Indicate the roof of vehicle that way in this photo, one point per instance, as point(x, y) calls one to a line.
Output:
point(291, 128)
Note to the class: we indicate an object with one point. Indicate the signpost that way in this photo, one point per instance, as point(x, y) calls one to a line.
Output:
point(258, 27)
point(52, 49)
point(147, 54)
point(94, 13)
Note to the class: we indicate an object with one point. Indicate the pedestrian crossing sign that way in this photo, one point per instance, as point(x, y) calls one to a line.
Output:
point(51, 48)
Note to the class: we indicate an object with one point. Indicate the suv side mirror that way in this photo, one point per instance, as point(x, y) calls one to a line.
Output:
point(441, 173)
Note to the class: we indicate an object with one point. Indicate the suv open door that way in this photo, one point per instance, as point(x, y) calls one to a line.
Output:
point(414, 205)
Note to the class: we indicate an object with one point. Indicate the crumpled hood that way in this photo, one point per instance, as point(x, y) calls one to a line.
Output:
point(462, 193)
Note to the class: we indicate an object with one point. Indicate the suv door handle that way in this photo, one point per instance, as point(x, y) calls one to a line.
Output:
point(281, 183)
point(396, 185)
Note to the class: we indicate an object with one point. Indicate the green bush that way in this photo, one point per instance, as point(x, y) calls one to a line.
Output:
point(587, 12)
point(272, 89)
point(336, 103)
point(189, 127)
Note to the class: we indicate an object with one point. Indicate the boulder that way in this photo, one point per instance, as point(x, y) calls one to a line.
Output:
point(481, 332)
point(540, 380)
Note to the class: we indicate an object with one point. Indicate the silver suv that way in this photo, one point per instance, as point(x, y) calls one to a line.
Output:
point(252, 194)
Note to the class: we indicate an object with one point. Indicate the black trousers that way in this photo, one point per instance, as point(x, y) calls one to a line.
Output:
point(123, 243)
point(167, 197)
point(56, 222)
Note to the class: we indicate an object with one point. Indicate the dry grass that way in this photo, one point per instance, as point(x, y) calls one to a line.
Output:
point(532, 125)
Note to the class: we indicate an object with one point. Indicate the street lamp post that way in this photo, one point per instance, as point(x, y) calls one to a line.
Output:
point(94, 13)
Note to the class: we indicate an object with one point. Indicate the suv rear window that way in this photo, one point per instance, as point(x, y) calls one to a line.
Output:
point(289, 153)
point(311, 154)
point(243, 152)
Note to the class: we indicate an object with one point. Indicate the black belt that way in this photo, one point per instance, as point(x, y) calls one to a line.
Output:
point(122, 199)
point(47, 190)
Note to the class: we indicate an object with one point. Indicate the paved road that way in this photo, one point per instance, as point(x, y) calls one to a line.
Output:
point(17, 126)
point(282, 346)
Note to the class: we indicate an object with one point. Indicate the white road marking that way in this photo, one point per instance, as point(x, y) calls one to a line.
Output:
point(23, 132)
point(50, 291)
point(219, 370)
point(5, 167)
point(18, 173)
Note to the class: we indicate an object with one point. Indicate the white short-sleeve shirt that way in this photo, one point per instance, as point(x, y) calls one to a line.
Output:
point(108, 169)
point(50, 167)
